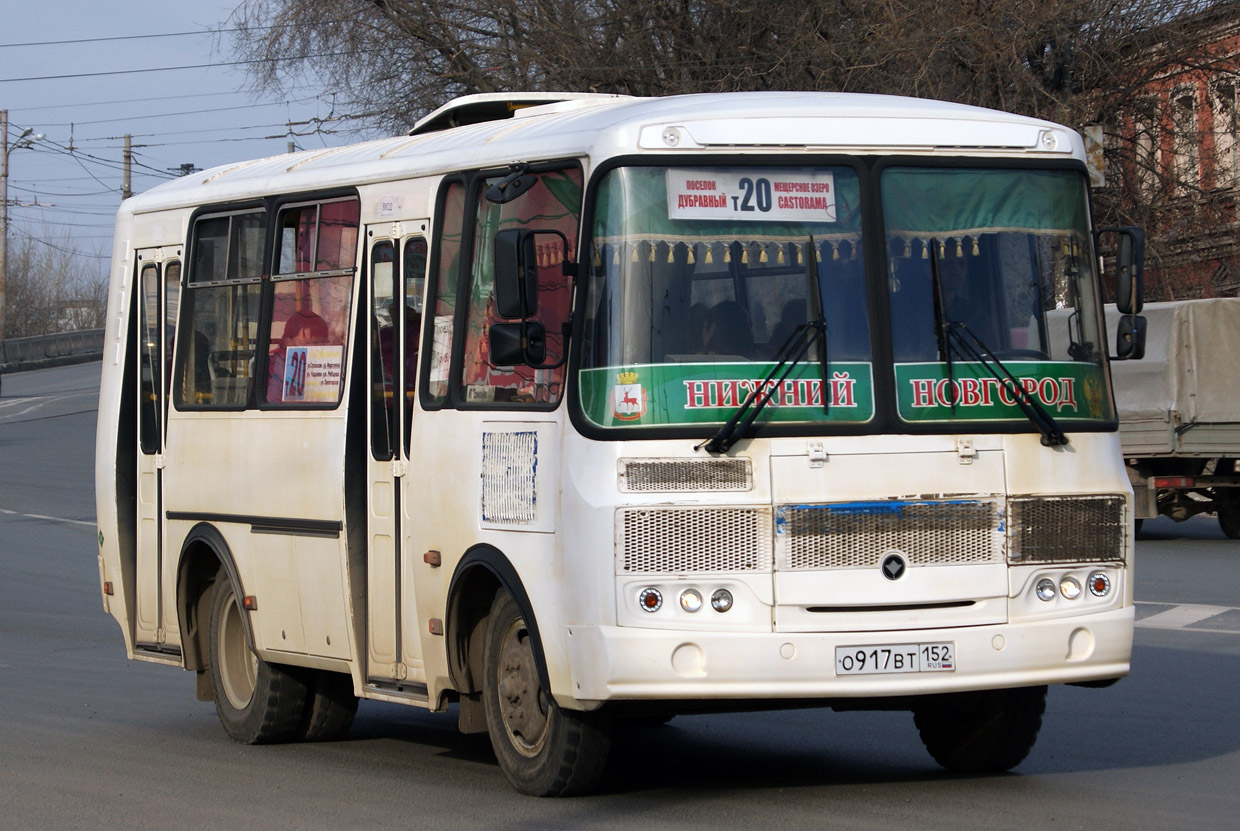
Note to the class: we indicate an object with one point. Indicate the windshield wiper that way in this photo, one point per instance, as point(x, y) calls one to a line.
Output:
point(790, 355)
point(972, 347)
point(953, 334)
point(940, 321)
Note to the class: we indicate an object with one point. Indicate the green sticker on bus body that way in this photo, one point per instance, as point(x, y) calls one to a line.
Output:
point(1068, 390)
point(647, 395)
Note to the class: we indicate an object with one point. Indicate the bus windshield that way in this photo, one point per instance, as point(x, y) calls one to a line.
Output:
point(700, 274)
point(1002, 257)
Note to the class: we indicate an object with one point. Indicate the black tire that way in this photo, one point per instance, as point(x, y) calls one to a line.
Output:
point(981, 732)
point(1227, 501)
point(1229, 521)
point(257, 702)
point(330, 706)
point(542, 749)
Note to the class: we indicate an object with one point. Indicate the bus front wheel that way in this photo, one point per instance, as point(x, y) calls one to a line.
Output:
point(542, 749)
point(989, 731)
point(257, 702)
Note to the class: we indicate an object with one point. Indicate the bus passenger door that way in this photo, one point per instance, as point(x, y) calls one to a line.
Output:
point(159, 285)
point(397, 271)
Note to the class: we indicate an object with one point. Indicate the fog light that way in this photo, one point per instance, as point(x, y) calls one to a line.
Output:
point(1070, 588)
point(721, 600)
point(691, 600)
point(1046, 589)
point(650, 599)
point(1099, 584)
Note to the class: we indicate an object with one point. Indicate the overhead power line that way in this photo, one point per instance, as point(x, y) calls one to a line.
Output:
point(212, 32)
point(114, 37)
point(172, 68)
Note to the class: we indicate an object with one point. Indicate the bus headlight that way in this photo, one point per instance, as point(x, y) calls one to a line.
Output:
point(1046, 589)
point(1070, 588)
point(691, 600)
point(721, 600)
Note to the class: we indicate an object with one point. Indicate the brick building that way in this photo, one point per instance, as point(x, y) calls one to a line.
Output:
point(1174, 159)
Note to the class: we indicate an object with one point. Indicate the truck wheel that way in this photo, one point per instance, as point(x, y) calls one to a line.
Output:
point(330, 707)
point(1226, 500)
point(542, 749)
point(257, 702)
point(981, 732)
point(1229, 520)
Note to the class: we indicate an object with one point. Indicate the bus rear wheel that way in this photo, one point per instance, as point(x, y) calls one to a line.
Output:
point(542, 749)
point(257, 702)
point(989, 731)
point(330, 706)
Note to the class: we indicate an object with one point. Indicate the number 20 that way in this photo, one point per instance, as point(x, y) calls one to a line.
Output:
point(761, 189)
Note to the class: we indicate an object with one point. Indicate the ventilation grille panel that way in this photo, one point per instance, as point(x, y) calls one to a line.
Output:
point(1066, 529)
point(509, 483)
point(668, 475)
point(859, 534)
point(692, 540)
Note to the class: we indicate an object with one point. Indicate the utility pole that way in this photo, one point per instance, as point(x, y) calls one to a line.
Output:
point(23, 140)
point(125, 191)
point(4, 213)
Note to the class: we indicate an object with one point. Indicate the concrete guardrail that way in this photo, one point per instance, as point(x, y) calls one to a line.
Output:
point(50, 350)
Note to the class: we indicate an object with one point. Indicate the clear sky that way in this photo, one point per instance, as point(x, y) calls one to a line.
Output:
point(68, 187)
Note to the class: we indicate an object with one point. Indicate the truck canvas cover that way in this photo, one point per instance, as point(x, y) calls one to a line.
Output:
point(1182, 397)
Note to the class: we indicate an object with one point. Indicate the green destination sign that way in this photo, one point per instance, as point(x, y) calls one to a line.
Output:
point(1069, 390)
point(646, 395)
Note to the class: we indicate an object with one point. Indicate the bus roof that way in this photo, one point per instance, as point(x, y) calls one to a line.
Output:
point(523, 128)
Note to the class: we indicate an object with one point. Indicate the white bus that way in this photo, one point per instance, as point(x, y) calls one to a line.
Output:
point(576, 409)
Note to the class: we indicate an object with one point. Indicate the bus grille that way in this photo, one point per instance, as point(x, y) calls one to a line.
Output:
point(859, 534)
point(692, 540)
point(1066, 529)
point(666, 475)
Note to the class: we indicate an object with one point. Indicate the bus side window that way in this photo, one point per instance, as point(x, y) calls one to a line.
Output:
point(215, 364)
point(311, 300)
point(413, 265)
point(553, 203)
point(442, 297)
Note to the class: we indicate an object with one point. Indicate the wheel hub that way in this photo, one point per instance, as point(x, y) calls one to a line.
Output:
point(238, 666)
point(520, 699)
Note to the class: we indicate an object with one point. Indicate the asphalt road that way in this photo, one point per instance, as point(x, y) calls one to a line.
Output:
point(91, 740)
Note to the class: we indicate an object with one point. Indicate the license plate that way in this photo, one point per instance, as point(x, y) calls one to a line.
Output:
point(898, 657)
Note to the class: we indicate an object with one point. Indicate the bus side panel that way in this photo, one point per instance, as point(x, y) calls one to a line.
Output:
point(238, 470)
point(460, 499)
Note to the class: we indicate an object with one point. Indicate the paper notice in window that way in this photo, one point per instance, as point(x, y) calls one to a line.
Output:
point(313, 373)
point(751, 195)
point(442, 356)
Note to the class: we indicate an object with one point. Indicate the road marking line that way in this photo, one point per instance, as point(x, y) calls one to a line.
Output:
point(48, 518)
point(1182, 616)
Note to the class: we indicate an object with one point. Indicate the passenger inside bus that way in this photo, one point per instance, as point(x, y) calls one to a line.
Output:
point(302, 327)
point(413, 328)
point(727, 331)
point(913, 302)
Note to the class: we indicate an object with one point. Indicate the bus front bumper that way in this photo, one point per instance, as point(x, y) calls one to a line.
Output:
point(623, 663)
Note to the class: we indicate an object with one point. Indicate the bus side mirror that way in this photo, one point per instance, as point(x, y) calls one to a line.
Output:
point(1129, 291)
point(514, 344)
point(1130, 338)
point(1129, 269)
point(516, 274)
